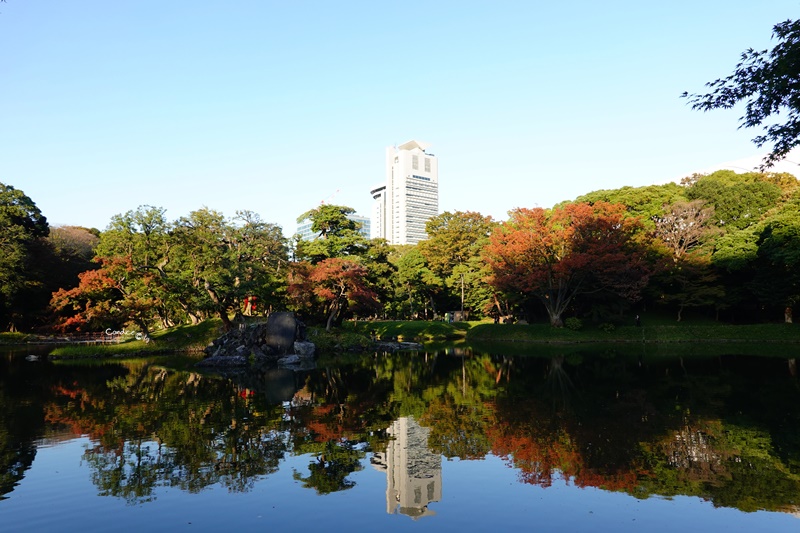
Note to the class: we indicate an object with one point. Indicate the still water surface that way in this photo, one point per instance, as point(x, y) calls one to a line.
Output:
point(451, 439)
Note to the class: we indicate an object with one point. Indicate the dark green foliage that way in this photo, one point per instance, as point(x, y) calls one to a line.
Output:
point(336, 235)
point(768, 81)
point(24, 253)
point(739, 200)
point(645, 203)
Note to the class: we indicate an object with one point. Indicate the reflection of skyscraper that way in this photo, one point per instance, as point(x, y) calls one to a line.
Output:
point(413, 472)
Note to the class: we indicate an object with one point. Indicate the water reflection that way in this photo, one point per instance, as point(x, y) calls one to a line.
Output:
point(722, 428)
point(413, 472)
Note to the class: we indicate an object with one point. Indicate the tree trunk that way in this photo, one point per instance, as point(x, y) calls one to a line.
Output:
point(555, 319)
point(221, 311)
point(331, 317)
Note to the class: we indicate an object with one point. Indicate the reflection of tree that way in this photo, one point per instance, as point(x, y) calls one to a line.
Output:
point(561, 386)
point(21, 421)
point(459, 410)
point(328, 473)
point(155, 427)
point(131, 473)
point(642, 426)
point(668, 428)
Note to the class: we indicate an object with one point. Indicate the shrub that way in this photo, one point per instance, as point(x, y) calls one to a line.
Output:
point(573, 323)
point(608, 327)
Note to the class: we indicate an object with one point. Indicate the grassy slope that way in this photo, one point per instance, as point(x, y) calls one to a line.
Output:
point(655, 331)
point(178, 339)
point(416, 330)
point(14, 338)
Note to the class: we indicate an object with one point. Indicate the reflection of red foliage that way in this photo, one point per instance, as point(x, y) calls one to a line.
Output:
point(333, 422)
point(543, 453)
point(73, 413)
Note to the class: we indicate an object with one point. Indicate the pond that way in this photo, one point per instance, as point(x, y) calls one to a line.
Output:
point(590, 439)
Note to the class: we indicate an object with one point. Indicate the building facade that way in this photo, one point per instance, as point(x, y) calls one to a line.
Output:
point(409, 197)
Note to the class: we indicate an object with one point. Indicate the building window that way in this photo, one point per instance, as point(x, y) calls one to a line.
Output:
point(415, 162)
point(427, 164)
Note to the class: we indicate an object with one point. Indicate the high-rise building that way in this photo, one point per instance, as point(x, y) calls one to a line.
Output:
point(410, 195)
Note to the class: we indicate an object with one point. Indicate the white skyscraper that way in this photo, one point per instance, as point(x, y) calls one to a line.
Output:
point(410, 195)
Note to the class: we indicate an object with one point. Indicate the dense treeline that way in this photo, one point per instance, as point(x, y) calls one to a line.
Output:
point(724, 244)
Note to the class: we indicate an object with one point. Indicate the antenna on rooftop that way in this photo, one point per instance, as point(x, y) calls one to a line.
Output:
point(329, 198)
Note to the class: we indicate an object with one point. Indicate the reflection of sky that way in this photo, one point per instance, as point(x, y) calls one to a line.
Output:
point(494, 488)
point(57, 494)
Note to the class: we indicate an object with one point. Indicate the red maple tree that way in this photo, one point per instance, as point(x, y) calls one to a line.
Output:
point(554, 255)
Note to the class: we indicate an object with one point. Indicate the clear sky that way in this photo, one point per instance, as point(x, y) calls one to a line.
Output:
point(275, 106)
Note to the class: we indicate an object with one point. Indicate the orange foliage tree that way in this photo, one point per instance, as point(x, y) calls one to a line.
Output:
point(332, 286)
point(555, 255)
point(104, 299)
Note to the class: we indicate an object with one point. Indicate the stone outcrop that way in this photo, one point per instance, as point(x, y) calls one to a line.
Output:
point(262, 344)
point(394, 346)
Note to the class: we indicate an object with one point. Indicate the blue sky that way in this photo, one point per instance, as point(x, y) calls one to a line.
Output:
point(275, 106)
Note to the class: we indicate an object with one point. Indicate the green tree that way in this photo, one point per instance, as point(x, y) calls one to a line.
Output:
point(158, 272)
point(769, 82)
point(416, 286)
point(336, 234)
point(739, 200)
point(135, 251)
point(777, 264)
point(454, 242)
point(645, 203)
point(221, 263)
point(23, 229)
point(691, 281)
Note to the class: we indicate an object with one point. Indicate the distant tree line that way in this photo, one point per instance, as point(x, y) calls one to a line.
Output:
point(724, 244)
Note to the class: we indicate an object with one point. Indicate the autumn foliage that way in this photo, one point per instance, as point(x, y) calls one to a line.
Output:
point(332, 286)
point(556, 255)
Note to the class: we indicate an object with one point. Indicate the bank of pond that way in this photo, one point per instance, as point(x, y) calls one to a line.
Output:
point(361, 336)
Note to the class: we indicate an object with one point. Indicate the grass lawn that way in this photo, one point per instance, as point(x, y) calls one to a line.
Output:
point(409, 330)
point(654, 329)
point(14, 338)
point(185, 338)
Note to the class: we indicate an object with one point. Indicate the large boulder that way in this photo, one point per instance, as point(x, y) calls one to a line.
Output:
point(261, 344)
point(281, 332)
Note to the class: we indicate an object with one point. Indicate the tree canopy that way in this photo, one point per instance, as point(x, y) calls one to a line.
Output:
point(556, 255)
point(768, 81)
point(22, 228)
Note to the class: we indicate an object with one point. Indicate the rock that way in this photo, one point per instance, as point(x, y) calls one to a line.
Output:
point(258, 352)
point(281, 334)
point(385, 346)
point(289, 359)
point(281, 331)
point(295, 362)
point(304, 348)
point(223, 361)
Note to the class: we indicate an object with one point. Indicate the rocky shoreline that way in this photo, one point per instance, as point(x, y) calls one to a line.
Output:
point(278, 341)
